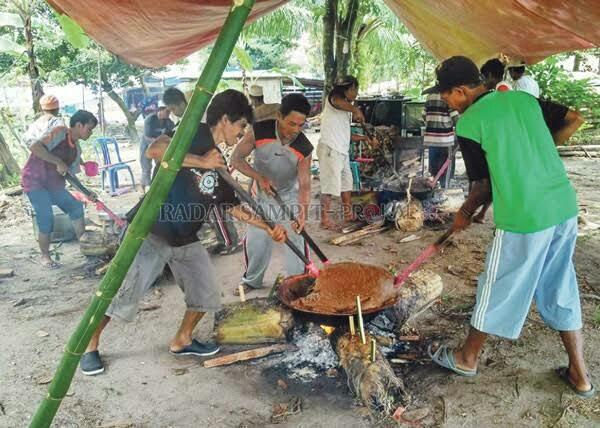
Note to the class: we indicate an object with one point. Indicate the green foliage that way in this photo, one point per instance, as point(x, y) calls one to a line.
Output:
point(73, 32)
point(555, 83)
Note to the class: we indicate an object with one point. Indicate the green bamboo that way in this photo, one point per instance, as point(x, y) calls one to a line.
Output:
point(139, 228)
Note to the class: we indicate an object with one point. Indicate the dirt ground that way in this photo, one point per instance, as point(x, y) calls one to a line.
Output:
point(144, 386)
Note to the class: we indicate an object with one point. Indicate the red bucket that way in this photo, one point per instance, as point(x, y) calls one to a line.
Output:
point(90, 168)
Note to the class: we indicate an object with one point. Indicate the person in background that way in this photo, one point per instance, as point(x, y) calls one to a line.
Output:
point(282, 158)
point(523, 82)
point(54, 155)
point(262, 111)
point(154, 125)
point(222, 223)
point(47, 120)
point(509, 153)
point(493, 73)
point(333, 150)
point(439, 135)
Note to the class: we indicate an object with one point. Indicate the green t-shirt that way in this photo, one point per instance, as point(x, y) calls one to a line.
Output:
point(530, 187)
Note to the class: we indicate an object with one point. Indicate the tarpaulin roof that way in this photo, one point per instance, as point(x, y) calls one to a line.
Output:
point(159, 32)
point(529, 30)
point(153, 33)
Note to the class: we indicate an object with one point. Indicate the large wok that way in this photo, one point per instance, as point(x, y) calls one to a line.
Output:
point(334, 291)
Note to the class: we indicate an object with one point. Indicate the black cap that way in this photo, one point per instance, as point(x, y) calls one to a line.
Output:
point(455, 71)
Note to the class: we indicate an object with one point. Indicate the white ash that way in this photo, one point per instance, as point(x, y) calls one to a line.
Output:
point(315, 354)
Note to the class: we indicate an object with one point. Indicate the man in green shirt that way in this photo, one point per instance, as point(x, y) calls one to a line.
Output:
point(509, 153)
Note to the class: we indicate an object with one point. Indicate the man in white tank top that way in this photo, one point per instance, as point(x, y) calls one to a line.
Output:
point(334, 145)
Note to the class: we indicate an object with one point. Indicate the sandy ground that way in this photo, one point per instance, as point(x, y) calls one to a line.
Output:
point(144, 386)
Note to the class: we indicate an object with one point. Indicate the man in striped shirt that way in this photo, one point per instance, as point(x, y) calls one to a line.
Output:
point(439, 132)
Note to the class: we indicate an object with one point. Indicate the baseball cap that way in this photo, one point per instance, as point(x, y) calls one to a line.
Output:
point(49, 102)
point(455, 71)
point(256, 91)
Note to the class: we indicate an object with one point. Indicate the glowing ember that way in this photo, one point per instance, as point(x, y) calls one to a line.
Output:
point(327, 329)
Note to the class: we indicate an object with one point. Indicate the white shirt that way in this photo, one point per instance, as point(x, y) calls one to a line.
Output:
point(41, 125)
point(335, 128)
point(527, 84)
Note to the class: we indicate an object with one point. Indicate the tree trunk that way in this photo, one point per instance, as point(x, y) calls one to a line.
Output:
point(8, 165)
point(329, 65)
point(131, 117)
point(576, 62)
point(34, 75)
point(344, 39)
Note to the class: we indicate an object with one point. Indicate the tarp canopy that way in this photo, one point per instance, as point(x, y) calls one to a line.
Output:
point(153, 33)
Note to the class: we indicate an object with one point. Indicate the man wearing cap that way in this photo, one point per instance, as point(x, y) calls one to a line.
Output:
point(47, 120)
point(155, 125)
point(509, 153)
point(523, 82)
point(262, 111)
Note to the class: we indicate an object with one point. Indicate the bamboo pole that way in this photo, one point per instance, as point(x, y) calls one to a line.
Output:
point(139, 228)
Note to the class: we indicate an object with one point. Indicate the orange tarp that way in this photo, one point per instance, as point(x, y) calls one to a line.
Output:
point(529, 30)
point(155, 33)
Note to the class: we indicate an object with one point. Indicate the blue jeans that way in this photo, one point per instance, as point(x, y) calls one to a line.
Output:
point(42, 201)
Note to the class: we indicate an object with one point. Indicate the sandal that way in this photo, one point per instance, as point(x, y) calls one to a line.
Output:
point(197, 349)
point(563, 374)
point(91, 363)
point(51, 265)
point(444, 357)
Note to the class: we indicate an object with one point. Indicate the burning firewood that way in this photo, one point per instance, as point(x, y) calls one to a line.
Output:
point(253, 321)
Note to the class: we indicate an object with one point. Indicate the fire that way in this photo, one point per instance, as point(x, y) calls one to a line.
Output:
point(327, 329)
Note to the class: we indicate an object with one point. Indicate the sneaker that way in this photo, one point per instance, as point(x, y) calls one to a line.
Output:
point(198, 349)
point(91, 364)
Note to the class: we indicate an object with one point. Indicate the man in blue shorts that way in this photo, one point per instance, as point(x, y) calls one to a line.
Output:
point(509, 153)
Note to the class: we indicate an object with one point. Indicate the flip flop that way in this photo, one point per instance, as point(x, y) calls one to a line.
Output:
point(563, 374)
point(52, 265)
point(197, 349)
point(444, 357)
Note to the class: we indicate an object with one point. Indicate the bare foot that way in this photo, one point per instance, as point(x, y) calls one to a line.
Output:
point(247, 289)
point(48, 263)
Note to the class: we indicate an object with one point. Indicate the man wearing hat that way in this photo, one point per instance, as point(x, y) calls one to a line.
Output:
point(262, 111)
point(47, 120)
point(509, 153)
point(155, 125)
point(523, 82)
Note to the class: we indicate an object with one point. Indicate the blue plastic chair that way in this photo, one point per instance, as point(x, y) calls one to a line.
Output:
point(107, 151)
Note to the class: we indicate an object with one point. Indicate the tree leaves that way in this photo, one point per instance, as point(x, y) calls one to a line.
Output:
point(73, 32)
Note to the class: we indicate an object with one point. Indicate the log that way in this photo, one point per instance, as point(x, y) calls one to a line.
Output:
point(410, 216)
point(577, 147)
point(417, 294)
point(247, 355)
point(355, 239)
point(252, 322)
point(580, 153)
point(98, 244)
point(373, 382)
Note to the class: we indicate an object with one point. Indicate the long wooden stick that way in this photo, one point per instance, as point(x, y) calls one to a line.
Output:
point(361, 326)
point(147, 215)
point(247, 355)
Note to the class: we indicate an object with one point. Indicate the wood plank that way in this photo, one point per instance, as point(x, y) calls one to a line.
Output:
point(247, 355)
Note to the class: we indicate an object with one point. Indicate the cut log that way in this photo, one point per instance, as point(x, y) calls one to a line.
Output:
point(410, 216)
point(252, 322)
point(6, 273)
point(98, 244)
point(589, 148)
point(417, 294)
point(373, 382)
point(247, 355)
point(13, 191)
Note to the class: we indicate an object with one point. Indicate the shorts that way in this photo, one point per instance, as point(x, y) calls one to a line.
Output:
point(42, 201)
point(191, 267)
point(522, 267)
point(334, 171)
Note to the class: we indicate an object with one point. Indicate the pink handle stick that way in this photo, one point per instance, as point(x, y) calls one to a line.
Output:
point(313, 270)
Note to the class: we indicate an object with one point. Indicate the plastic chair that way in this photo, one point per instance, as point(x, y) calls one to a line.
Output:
point(107, 151)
